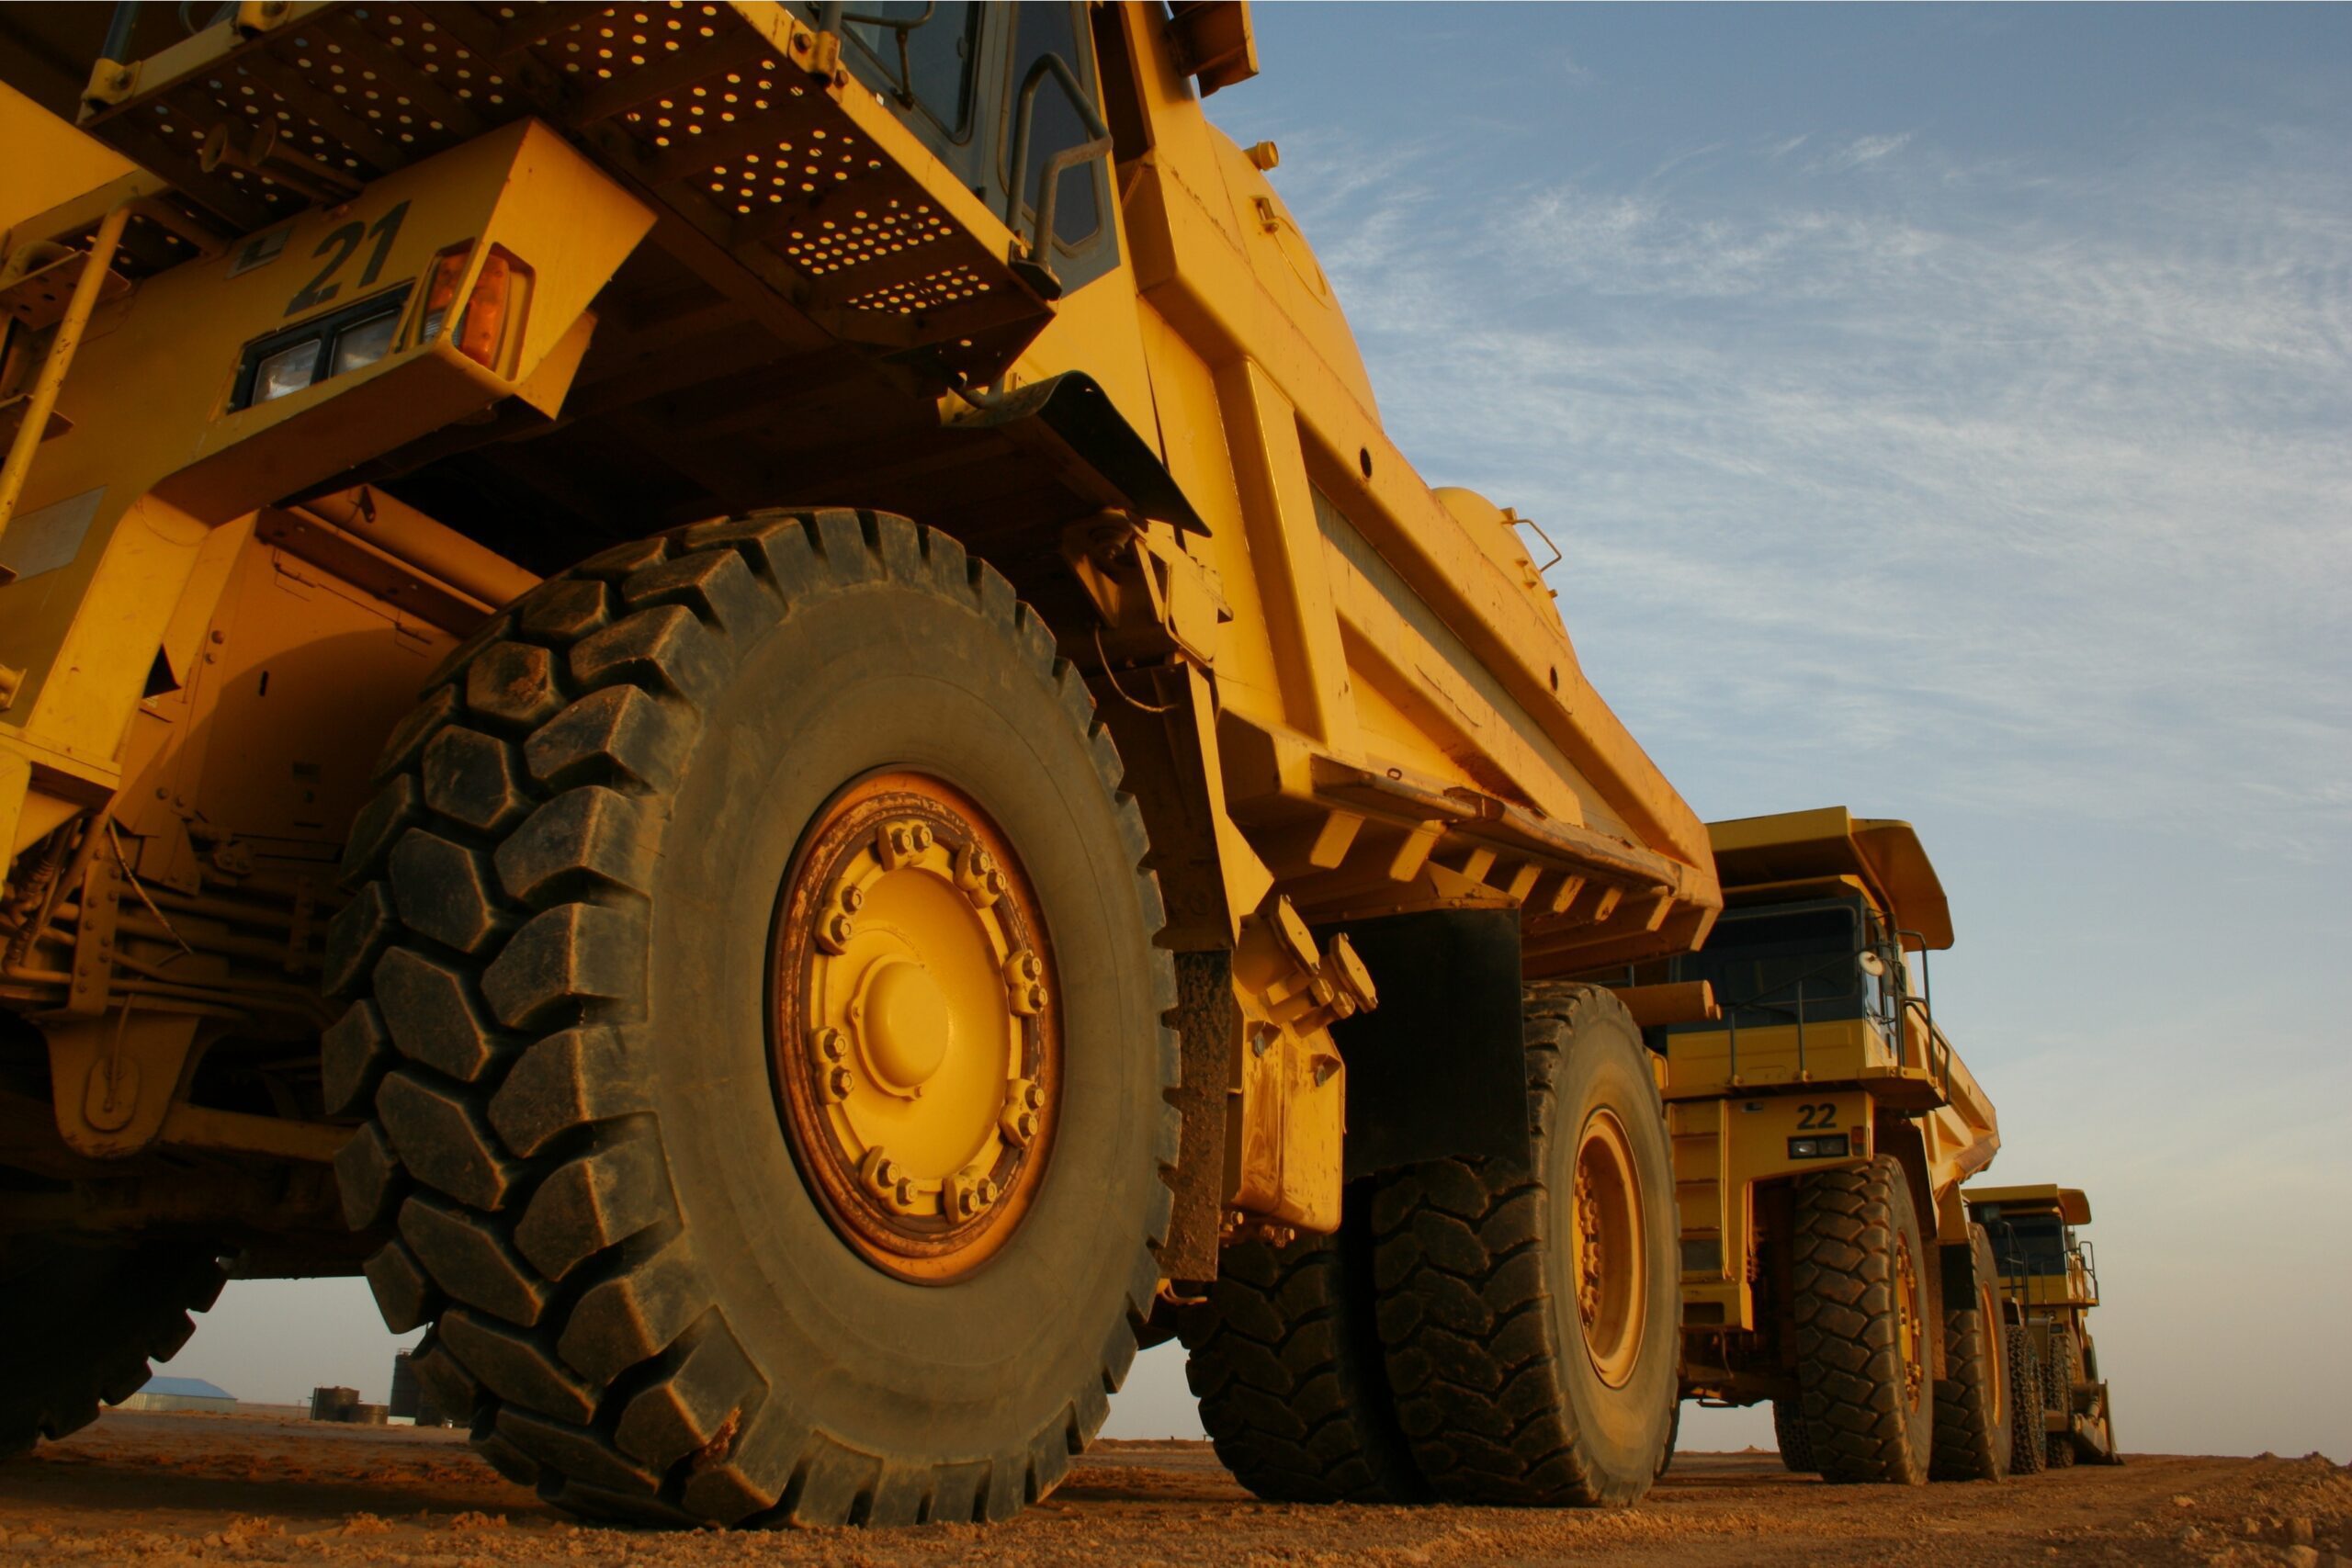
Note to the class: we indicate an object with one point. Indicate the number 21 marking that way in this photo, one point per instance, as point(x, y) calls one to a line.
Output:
point(343, 241)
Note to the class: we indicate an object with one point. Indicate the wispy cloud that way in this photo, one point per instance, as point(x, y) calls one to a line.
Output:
point(1862, 150)
point(2035, 487)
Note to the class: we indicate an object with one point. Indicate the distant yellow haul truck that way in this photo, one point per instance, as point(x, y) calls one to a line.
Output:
point(1821, 1127)
point(2049, 1284)
point(793, 632)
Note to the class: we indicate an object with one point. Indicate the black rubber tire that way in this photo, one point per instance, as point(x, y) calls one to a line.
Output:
point(2060, 1374)
point(1286, 1359)
point(561, 924)
point(80, 1320)
point(1495, 1390)
point(2028, 1454)
point(1788, 1429)
point(1975, 1403)
point(1673, 1436)
point(1859, 1424)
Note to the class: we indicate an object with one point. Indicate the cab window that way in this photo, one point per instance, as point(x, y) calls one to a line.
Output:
point(941, 55)
point(1043, 27)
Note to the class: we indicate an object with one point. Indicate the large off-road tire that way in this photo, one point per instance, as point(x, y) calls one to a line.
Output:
point(2059, 1373)
point(582, 935)
point(80, 1320)
point(1788, 1429)
point(1286, 1360)
point(1521, 1379)
point(2029, 1455)
point(1859, 1300)
point(1975, 1402)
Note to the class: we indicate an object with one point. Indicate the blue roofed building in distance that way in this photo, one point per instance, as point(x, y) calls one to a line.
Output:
point(180, 1393)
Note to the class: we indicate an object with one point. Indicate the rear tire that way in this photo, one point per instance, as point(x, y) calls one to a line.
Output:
point(1788, 1428)
point(80, 1320)
point(577, 1038)
point(2029, 1455)
point(1975, 1403)
point(1286, 1360)
point(2059, 1376)
point(1860, 1304)
point(1520, 1381)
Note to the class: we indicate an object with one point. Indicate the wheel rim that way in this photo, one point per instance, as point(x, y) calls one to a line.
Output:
point(914, 1031)
point(1988, 1317)
point(1612, 1268)
point(1907, 1325)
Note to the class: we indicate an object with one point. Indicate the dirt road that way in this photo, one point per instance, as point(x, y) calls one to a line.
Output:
point(158, 1491)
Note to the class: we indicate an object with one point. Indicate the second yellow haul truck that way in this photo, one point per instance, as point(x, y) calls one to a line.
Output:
point(2049, 1284)
point(794, 634)
point(1822, 1127)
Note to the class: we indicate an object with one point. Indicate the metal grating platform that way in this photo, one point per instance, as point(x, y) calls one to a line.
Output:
point(708, 108)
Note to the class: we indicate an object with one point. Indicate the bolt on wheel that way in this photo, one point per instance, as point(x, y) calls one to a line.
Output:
point(916, 1034)
point(1910, 1326)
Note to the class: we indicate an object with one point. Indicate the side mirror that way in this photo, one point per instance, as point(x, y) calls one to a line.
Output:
point(1873, 966)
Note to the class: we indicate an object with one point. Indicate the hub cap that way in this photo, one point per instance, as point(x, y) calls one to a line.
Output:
point(914, 1026)
point(1611, 1270)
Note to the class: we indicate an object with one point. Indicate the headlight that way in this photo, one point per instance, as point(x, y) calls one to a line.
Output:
point(287, 361)
point(1831, 1146)
point(289, 369)
point(364, 342)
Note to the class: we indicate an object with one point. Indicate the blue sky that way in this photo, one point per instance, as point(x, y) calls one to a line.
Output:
point(1946, 412)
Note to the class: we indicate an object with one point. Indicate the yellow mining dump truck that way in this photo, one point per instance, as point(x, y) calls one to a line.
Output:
point(1821, 1127)
point(753, 685)
point(2049, 1284)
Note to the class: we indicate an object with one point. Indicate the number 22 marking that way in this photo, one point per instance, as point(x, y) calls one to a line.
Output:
point(1811, 1116)
point(343, 242)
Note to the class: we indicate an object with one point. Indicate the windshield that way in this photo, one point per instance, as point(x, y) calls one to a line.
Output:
point(2032, 1244)
point(1763, 962)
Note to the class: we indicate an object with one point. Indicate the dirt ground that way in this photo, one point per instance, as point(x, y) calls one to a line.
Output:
point(158, 1490)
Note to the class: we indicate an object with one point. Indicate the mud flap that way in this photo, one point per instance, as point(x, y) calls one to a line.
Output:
point(1439, 1071)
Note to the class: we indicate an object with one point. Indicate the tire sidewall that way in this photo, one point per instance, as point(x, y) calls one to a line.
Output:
point(890, 675)
point(1992, 1346)
point(1623, 1431)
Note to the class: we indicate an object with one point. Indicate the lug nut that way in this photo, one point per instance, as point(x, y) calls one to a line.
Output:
point(835, 932)
point(836, 1081)
point(1025, 1104)
point(978, 875)
point(971, 1192)
point(1024, 986)
point(899, 843)
point(829, 1043)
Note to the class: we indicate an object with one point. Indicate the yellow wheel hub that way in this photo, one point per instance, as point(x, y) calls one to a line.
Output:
point(1997, 1349)
point(905, 1026)
point(915, 1033)
point(1909, 1326)
point(1611, 1268)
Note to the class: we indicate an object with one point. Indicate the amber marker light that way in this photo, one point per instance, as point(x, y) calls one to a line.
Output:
point(485, 311)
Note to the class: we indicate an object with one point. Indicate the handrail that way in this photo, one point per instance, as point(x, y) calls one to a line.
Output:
point(119, 27)
point(61, 347)
point(1041, 240)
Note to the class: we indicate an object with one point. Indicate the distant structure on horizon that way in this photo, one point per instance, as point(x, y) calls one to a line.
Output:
point(180, 1393)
